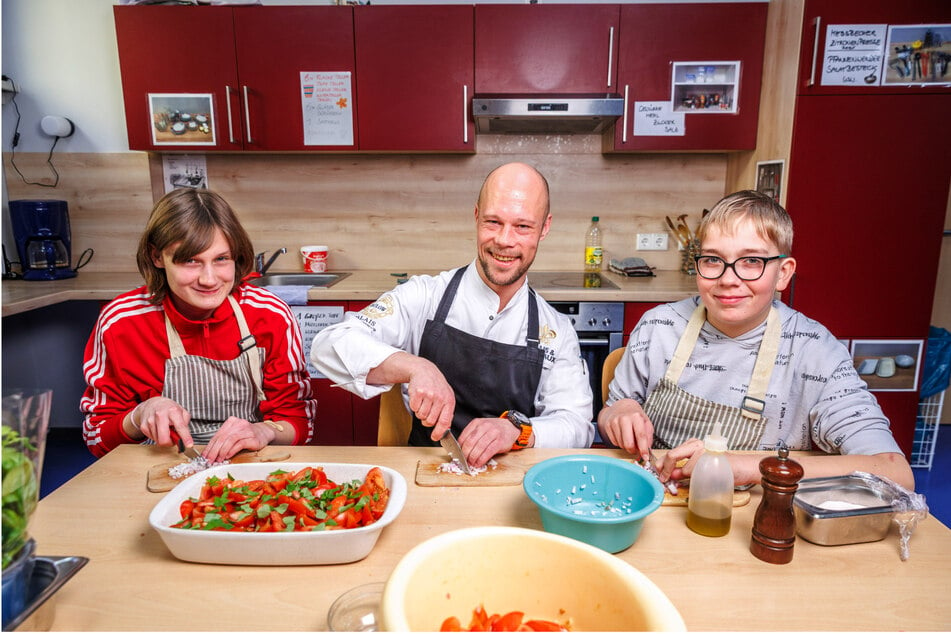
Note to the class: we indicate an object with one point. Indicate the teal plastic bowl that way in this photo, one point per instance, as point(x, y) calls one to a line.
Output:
point(598, 500)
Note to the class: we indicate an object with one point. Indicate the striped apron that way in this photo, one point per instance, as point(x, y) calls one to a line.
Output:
point(212, 390)
point(678, 415)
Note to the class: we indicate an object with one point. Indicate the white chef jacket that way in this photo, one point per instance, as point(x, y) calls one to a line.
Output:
point(346, 352)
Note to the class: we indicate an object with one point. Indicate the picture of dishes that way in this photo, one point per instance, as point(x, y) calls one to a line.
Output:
point(888, 365)
point(184, 119)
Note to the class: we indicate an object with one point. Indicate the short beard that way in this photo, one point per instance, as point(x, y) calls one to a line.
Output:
point(508, 281)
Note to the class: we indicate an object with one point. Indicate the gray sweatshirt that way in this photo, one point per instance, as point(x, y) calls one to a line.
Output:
point(815, 393)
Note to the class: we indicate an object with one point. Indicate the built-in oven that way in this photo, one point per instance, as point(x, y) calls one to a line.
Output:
point(600, 329)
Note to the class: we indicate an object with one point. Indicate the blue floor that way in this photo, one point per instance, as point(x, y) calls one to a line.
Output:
point(66, 455)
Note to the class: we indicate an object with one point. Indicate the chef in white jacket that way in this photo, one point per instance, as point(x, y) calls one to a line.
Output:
point(471, 343)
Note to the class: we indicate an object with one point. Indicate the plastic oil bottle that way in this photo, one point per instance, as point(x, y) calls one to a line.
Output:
point(593, 252)
point(710, 503)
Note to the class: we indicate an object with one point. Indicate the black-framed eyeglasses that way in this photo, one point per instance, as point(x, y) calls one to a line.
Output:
point(748, 268)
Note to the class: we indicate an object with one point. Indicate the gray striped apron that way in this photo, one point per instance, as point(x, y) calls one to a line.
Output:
point(678, 415)
point(212, 390)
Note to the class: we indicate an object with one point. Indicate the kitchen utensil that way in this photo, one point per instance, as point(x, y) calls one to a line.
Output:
point(505, 569)
point(286, 548)
point(159, 481)
point(599, 500)
point(450, 444)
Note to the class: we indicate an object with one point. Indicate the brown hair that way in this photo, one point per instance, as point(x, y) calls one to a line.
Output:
point(768, 217)
point(189, 217)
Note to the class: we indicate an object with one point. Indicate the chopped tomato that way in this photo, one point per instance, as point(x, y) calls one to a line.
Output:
point(302, 501)
point(509, 622)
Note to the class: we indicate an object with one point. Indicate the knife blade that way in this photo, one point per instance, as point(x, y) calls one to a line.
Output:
point(450, 444)
point(189, 452)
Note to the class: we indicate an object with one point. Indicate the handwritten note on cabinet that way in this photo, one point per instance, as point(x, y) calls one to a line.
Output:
point(853, 54)
point(657, 118)
point(327, 107)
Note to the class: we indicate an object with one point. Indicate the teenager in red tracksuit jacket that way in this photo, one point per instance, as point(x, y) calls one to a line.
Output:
point(175, 358)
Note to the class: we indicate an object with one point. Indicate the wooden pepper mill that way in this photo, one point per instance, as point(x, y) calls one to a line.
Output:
point(774, 526)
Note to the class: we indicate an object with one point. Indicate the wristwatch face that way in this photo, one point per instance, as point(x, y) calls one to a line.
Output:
point(518, 418)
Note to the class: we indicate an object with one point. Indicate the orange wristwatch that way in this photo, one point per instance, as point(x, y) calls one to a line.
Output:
point(523, 424)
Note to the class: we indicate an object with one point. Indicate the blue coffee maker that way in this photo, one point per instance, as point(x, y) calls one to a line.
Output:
point(41, 231)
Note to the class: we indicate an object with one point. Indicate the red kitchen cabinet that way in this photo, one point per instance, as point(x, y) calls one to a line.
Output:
point(655, 36)
point(415, 78)
point(546, 48)
point(178, 50)
point(633, 311)
point(867, 190)
point(274, 45)
point(819, 14)
point(243, 61)
point(343, 418)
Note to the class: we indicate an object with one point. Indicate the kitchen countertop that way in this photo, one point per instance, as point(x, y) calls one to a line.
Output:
point(21, 296)
point(132, 582)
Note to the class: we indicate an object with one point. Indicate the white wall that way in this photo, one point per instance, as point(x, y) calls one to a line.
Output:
point(61, 54)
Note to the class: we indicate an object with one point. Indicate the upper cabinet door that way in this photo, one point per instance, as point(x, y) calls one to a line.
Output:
point(546, 48)
point(274, 46)
point(178, 69)
point(414, 78)
point(912, 63)
point(705, 61)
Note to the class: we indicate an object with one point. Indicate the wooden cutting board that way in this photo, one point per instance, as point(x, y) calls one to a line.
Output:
point(159, 481)
point(507, 472)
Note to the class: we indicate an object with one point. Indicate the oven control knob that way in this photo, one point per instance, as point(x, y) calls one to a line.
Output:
point(606, 322)
point(592, 322)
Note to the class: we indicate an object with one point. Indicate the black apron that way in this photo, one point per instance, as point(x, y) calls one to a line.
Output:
point(487, 377)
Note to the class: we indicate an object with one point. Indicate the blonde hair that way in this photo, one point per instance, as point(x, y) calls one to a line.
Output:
point(769, 218)
point(190, 217)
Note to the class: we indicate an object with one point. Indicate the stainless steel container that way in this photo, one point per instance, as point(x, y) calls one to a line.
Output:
point(842, 510)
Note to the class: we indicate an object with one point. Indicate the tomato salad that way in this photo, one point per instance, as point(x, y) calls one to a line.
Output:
point(482, 621)
point(302, 501)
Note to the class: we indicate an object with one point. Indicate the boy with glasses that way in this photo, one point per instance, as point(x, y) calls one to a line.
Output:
point(738, 356)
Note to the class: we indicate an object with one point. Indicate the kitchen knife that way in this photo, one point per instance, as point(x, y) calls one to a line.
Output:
point(450, 444)
point(189, 452)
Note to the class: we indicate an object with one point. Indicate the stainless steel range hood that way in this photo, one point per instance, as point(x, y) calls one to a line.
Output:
point(546, 114)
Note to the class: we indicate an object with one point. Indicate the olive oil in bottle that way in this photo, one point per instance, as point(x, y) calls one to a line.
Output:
point(710, 502)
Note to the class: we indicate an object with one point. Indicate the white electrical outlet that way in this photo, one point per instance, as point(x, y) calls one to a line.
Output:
point(652, 242)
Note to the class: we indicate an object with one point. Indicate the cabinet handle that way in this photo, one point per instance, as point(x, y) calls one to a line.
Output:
point(465, 113)
point(815, 52)
point(247, 114)
point(610, 53)
point(624, 130)
point(228, 104)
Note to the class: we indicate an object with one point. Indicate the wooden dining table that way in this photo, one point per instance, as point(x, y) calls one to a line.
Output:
point(133, 583)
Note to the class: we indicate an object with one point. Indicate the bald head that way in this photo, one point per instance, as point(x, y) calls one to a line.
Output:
point(516, 179)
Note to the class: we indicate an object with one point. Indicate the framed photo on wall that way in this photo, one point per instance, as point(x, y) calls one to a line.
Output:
point(769, 178)
point(182, 119)
point(888, 365)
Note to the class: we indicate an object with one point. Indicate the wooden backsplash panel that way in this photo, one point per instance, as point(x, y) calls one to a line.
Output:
point(389, 212)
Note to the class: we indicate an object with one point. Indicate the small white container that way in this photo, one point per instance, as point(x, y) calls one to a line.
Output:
point(315, 258)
